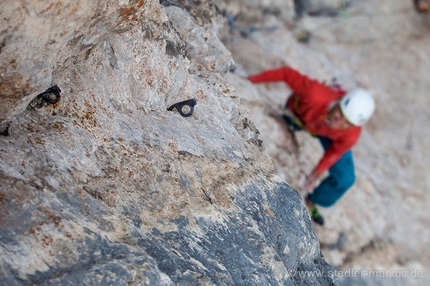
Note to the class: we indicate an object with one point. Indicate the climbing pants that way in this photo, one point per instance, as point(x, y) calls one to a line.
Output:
point(341, 178)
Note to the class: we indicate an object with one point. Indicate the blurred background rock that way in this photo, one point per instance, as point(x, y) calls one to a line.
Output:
point(382, 222)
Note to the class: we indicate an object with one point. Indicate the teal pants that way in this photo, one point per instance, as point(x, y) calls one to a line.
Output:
point(341, 178)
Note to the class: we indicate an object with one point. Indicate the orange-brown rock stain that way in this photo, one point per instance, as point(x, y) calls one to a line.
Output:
point(51, 218)
point(128, 13)
point(47, 241)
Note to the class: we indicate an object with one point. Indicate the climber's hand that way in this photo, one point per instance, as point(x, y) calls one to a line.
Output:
point(309, 184)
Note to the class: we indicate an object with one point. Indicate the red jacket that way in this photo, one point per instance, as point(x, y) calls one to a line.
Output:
point(313, 102)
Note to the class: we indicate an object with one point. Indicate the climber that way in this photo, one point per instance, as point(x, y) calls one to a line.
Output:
point(336, 118)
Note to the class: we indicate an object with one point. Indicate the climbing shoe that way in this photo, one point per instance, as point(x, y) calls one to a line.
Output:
point(316, 216)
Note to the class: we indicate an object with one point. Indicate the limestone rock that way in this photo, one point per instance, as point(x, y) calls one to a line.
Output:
point(107, 187)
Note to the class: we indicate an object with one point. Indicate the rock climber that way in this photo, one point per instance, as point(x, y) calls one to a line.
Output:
point(335, 117)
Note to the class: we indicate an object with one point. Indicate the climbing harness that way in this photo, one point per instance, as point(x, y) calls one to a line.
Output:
point(51, 95)
point(179, 105)
point(290, 116)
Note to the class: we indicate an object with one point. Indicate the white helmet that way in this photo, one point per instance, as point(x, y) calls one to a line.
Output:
point(357, 106)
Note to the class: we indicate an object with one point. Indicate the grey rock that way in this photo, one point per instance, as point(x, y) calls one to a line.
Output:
point(107, 187)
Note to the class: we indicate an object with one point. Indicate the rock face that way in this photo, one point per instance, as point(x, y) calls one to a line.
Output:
point(107, 187)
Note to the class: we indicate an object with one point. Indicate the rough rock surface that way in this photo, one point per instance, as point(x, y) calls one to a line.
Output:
point(107, 187)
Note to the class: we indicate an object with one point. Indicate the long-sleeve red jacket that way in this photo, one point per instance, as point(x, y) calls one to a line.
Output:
point(314, 100)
